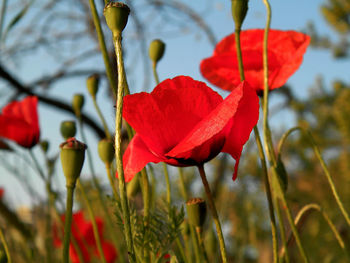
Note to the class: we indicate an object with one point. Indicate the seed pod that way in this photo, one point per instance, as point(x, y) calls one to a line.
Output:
point(92, 85)
point(156, 50)
point(68, 129)
point(106, 151)
point(116, 14)
point(239, 10)
point(78, 103)
point(197, 211)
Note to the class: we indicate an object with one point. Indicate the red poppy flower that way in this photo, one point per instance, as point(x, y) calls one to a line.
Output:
point(82, 232)
point(183, 123)
point(285, 55)
point(19, 122)
point(2, 191)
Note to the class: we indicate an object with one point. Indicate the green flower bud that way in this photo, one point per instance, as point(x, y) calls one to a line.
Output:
point(68, 129)
point(92, 84)
point(106, 151)
point(44, 145)
point(133, 187)
point(116, 14)
point(239, 10)
point(196, 210)
point(78, 103)
point(72, 160)
point(156, 50)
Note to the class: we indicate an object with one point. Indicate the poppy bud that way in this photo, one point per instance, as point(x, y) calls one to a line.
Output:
point(68, 129)
point(133, 187)
point(106, 151)
point(78, 103)
point(239, 10)
point(44, 145)
point(72, 160)
point(156, 50)
point(196, 210)
point(92, 84)
point(116, 14)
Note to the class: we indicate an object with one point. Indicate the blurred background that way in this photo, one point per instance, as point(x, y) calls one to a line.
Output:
point(49, 48)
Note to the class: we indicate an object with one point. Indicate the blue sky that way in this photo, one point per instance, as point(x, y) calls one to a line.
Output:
point(182, 57)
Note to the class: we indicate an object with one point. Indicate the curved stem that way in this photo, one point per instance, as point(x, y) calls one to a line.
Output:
point(323, 165)
point(268, 194)
point(68, 223)
point(122, 86)
point(4, 243)
point(304, 212)
point(101, 40)
point(93, 221)
point(100, 115)
point(214, 213)
point(282, 231)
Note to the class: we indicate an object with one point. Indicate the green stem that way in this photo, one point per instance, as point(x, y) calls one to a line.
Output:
point(155, 74)
point(195, 243)
point(304, 211)
point(2, 17)
point(167, 180)
point(100, 115)
point(214, 213)
point(4, 243)
point(181, 249)
point(122, 86)
point(267, 132)
point(68, 223)
point(93, 221)
point(111, 181)
point(268, 194)
point(145, 193)
point(283, 232)
point(261, 155)
point(101, 40)
point(183, 186)
point(323, 164)
point(201, 244)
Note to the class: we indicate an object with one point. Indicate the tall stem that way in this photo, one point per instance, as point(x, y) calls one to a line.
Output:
point(267, 132)
point(93, 221)
point(100, 115)
point(68, 223)
point(122, 85)
point(214, 213)
point(111, 181)
point(101, 40)
point(268, 194)
point(4, 243)
point(261, 156)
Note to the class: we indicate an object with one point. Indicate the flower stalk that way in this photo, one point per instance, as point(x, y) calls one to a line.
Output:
point(214, 213)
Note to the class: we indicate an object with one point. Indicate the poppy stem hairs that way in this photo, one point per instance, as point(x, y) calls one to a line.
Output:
point(214, 212)
point(116, 14)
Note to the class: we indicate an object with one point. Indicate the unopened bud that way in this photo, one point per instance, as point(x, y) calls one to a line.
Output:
point(116, 14)
point(106, 151)
point(156, 50)
point(78, 103)
point(68, 129)
point(92, 85)
point(196, 210)
point(44, 146)
point(239, 10)
point(72, 160)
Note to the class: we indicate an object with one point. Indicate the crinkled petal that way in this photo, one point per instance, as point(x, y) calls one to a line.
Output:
point(136, 156)
point(165, 116)
point(212, 129)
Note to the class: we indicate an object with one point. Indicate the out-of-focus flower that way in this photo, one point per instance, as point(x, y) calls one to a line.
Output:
point(183, 123)
point(82, 233)
point(285, 55)
point(19, 122)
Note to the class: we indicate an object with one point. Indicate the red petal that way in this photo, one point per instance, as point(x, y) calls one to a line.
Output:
point(165, 116)
point(136, 156)
point(210, 132)
point(110, 252)
point(285, 54)
point(238, 131)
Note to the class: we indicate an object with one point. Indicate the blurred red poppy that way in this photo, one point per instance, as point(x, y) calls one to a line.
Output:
point(183, 122)
point(83, 234)
point(2, 191)
point(285, 55)
point(19, 122)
